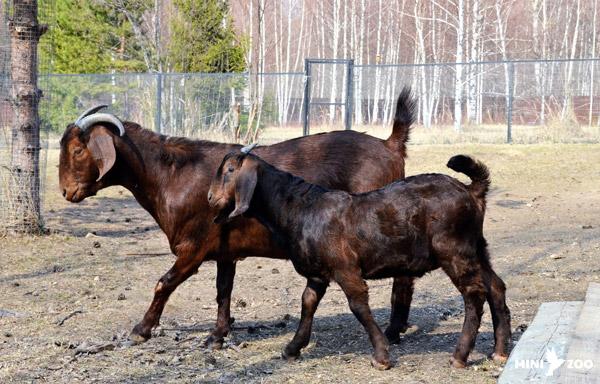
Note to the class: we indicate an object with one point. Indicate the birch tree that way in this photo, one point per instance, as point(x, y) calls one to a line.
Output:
point(458, 82)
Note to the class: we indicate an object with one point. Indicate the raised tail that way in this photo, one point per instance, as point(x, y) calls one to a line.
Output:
point(403, 119)
point(477, 172)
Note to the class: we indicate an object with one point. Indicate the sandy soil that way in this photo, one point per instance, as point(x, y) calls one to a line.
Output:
point(543, 226)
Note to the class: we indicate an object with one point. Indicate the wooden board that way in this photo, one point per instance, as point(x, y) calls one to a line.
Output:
point(583, 356)
point(546, 338)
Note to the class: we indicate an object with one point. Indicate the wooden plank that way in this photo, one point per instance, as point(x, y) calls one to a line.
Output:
point(583, 356)
point(546, 338)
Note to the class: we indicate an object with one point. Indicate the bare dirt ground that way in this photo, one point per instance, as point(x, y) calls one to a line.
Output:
point(543, 226)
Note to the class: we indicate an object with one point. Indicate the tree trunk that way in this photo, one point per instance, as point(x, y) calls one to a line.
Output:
point(458, 82)
point(24, 188)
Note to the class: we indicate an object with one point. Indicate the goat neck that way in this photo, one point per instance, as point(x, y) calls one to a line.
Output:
point(280, 198)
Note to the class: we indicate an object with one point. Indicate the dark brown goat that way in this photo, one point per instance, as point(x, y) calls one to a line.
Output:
point(405, 229)
point(169, 177)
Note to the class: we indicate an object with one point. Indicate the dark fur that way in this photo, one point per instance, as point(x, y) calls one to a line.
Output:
point(169, 177)
point(405, 229)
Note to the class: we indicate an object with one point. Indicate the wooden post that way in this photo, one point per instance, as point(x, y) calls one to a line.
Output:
point(24, 186)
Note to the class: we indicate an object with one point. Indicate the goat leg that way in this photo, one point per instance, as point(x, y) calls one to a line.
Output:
point(225, 277)
point(357, 292)
point(496, 297)
point(313, 293)
point(402, 292)
point(474, 295)
point(179, 272)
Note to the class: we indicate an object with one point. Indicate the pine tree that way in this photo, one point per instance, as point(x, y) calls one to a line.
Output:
point(203, 38)
point(90, 37)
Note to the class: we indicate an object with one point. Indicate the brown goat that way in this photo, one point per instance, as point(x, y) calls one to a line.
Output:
point(405, 229)
point(169, 177)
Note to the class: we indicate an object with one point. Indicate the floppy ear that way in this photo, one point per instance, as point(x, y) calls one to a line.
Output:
point(103, 150)
point(244, 189)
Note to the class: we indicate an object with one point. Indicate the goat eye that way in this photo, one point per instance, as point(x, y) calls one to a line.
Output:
point(77, 151)
point(230, 169)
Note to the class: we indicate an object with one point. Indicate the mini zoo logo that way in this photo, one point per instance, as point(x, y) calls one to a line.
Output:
point(553, 363)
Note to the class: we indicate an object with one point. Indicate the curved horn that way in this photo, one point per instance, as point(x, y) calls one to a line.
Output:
point(246, 150)
point(90, 111)
point(96, 118)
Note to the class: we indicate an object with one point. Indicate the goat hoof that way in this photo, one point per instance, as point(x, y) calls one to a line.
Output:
point(213, 343)
point(290, 356)
point(382, 365)
point(135, 339)
point(457, 363)
point(499, 358)
point(138, 335)
point(392, 337)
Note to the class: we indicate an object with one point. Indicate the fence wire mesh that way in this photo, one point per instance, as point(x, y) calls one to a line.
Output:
point(22, 142)
point(544, 101)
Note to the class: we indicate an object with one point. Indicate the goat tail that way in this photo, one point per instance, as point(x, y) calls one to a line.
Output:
point(403, 119)
point(477, 172)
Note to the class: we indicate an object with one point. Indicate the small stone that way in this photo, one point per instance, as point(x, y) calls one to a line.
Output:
point(587, 227)
point(521, 328)
point(16, 284)
point(241, 303)
point(7, 334)
point(97, 244)
point(96, 278)
point(554, 256)
point(259, 267)
point(274, 271)
point(121, 296)
point(127, 220)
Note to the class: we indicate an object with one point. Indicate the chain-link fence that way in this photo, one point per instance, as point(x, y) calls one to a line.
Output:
point(492, 102)
point(22, 160)
point(520, 101)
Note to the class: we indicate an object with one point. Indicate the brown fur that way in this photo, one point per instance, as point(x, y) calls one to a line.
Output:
point(406, 229)
point(169, 177)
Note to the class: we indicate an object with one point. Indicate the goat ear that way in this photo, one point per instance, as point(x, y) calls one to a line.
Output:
point(103, 150)
point(244, 189)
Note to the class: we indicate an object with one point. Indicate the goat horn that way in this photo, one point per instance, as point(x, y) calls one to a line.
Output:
point(246, 150)
point(90, 111)
point(96, 118)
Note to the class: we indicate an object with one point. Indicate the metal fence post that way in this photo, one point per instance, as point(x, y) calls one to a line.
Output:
point(158, 117)
point(306, 100)
point(509, 102)
point(349, 93)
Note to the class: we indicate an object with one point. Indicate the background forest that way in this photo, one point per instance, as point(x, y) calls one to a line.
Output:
point(98, 36)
